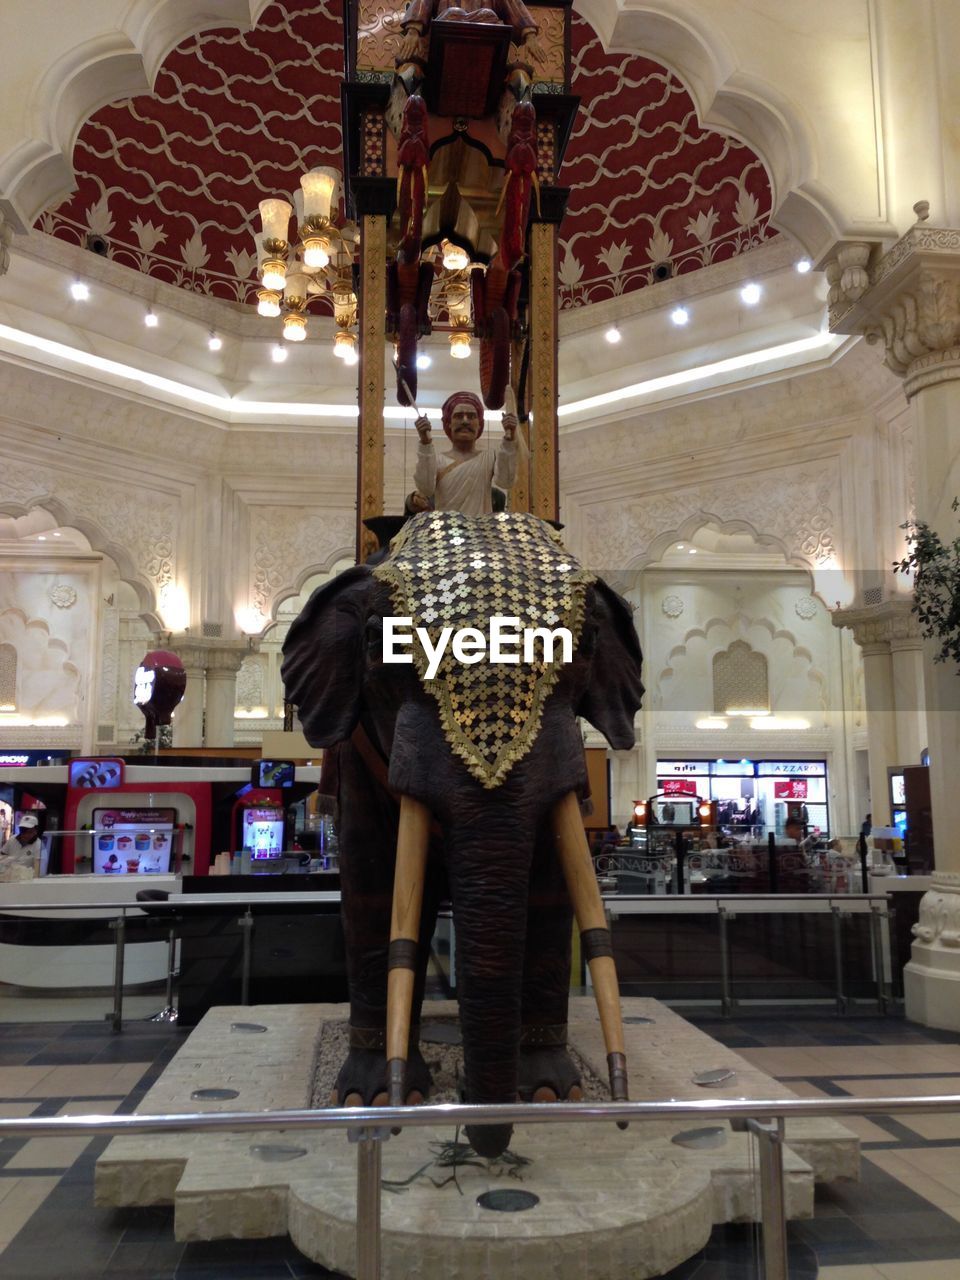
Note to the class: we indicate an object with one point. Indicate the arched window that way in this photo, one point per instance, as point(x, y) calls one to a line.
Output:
point(8, 677)
point(740, 682)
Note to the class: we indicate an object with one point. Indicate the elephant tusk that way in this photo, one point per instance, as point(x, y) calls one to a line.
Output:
point(594, 935)
point(412, 841)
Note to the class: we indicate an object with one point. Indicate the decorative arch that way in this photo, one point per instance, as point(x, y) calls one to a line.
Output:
point(741, 680)
point(695, 47)
point(99, 541)
point(38, 171)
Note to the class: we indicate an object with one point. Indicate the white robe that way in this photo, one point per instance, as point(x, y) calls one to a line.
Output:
point(464, 486)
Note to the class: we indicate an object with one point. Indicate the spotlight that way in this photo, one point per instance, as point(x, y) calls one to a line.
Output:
point(214, 342)
point(278, 353)
point(751, 294)
point(613, 335)
point(804, 265)
point(150, 320)
point(424, 362)
point(680, 316)
point(80, 291)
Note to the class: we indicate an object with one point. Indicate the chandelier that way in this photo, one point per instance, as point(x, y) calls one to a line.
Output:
point(320, 263)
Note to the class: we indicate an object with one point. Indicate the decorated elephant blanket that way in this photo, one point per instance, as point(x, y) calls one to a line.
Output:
point(447, 570)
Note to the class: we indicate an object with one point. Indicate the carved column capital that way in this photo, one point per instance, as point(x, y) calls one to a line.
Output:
point(211, 656)
point(880, 627)
point(908, 299)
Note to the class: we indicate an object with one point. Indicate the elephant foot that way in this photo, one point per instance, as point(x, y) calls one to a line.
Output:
point(548, 1074)
point(362, 1080)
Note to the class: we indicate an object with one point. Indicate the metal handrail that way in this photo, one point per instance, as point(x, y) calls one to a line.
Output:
point(368, 1127)
point(458, 1113)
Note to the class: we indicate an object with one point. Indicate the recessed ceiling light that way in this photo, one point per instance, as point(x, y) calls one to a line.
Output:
point(613, 335)
point(680, 316)
point(80, 291)
point(56, 535)
point(692, 551)
point(751, 294)
point(804, 265)
point(41, 537)
point(150, 320)
point(424, 361)
point(214, 342)
point(278, 353)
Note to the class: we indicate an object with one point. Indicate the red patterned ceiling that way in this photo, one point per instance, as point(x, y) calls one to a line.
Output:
point(172, 180)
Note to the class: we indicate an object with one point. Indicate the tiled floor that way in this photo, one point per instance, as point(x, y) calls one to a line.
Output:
point(901, 1222)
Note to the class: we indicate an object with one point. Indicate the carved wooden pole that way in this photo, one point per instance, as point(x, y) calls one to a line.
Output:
point(372, 318)
point(542, 380)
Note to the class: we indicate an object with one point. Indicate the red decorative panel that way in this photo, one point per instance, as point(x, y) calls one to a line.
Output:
point(172, 180)
point(649, 186)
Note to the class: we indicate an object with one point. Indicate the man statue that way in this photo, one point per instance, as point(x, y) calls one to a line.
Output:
point(460, 479)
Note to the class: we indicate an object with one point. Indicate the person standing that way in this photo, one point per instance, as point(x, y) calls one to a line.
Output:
point(20, 855)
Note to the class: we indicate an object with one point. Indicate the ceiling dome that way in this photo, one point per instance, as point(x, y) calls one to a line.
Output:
point(169, 183)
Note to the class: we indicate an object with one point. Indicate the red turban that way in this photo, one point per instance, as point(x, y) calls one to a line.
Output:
point(459, 397)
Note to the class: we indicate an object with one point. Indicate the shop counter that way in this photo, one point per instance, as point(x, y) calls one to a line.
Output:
point(71, 945)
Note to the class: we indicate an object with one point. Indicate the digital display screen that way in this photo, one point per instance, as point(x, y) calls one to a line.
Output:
point(130, 842)
point(274, 773)
point(262, 833)
point(90, 775)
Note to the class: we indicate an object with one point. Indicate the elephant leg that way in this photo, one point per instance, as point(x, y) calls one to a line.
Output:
point(368, 835)
point(547, 1072)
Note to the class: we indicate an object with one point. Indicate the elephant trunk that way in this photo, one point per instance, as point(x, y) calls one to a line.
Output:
point(489, 875)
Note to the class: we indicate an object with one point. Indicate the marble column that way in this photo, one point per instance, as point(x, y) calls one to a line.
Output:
point(188, 717)
point(889, 638)
point(223, 663)
point(908, 301)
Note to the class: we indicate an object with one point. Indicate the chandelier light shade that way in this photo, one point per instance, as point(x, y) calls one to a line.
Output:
point(268, 302)
point(345, 347)
point(275, 220)
point(318, 188)
point(294, 326)
point(460, 344)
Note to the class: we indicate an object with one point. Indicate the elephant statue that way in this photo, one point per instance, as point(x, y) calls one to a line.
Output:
point(459, 778)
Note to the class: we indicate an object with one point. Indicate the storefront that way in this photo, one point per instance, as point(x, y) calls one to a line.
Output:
point(755, 795)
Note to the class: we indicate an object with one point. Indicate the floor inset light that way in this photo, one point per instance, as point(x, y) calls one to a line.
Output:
point(613, 335)
point(150, 320)
point(214, 342)
point(804, 265)
point(751, 294)
point(278, 353)
point(680, 316)
point(80, 291)
point(424, 362)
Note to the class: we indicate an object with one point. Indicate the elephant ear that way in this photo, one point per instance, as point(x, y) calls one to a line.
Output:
point(614, 690)
point(323, 656)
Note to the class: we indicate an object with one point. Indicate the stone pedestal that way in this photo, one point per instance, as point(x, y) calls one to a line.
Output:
point(612, 1204)
point(908, 301)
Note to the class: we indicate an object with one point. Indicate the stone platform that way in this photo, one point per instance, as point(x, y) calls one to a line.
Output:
point(611, 1204)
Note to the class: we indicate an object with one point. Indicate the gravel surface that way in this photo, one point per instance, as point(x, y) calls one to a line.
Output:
point(444, 1059)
